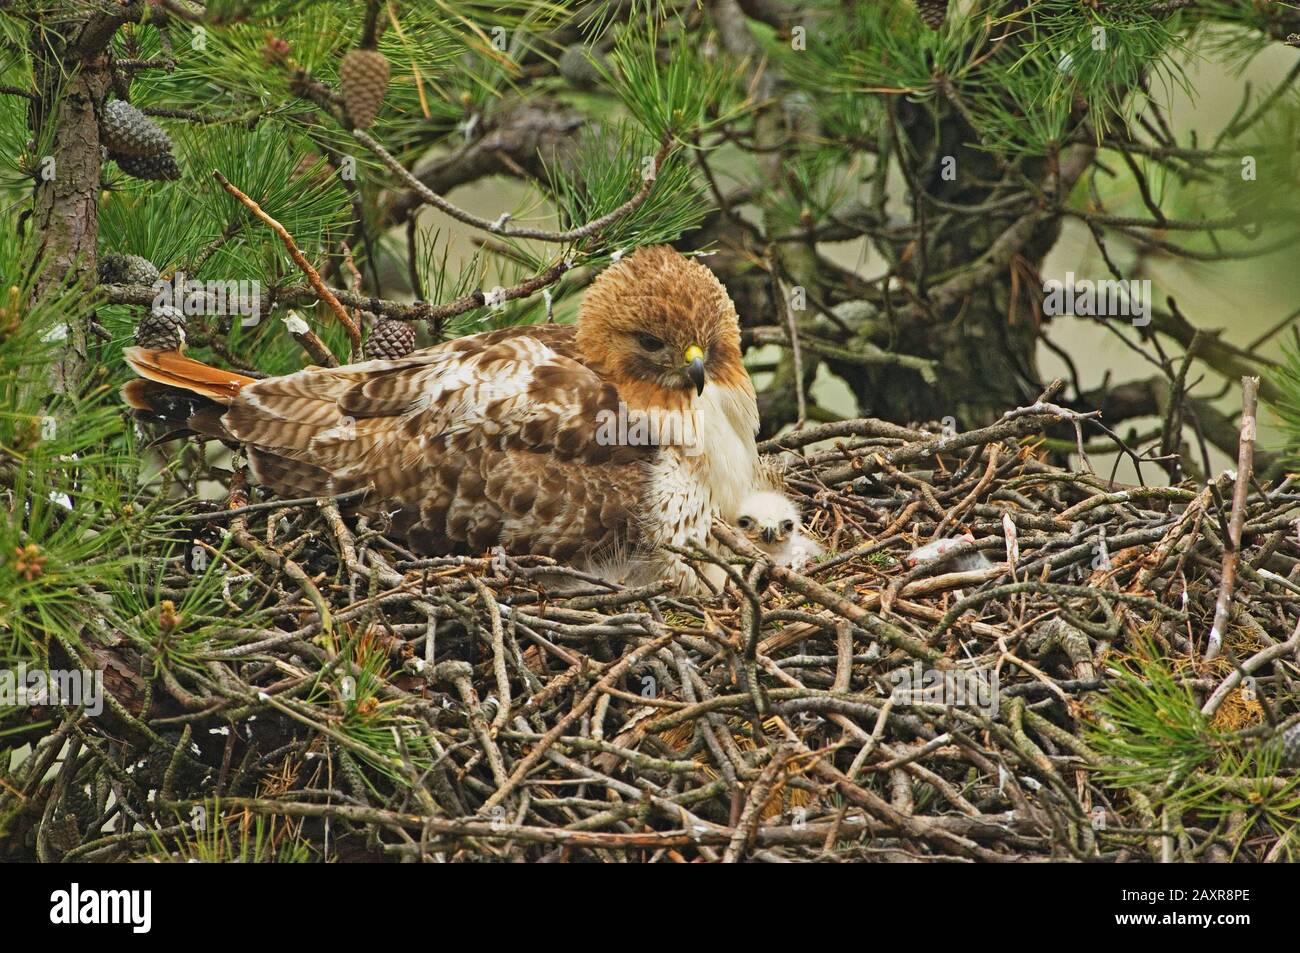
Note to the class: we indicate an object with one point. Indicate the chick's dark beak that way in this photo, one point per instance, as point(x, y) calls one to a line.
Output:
point(769, 534)
point(695, 367)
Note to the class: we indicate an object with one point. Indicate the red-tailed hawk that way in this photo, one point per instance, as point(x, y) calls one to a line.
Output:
point(596, 443)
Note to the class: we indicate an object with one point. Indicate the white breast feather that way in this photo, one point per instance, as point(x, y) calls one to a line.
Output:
point(691, 485)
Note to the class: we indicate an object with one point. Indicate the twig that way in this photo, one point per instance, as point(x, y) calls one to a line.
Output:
point(1232, 545)
point(431, 197)
point(313, 276)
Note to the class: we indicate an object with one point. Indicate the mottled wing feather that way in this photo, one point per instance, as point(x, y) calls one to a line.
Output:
point(534, 503)
point(484, 440)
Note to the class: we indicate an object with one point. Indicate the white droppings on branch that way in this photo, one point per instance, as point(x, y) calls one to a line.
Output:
point(294, 324)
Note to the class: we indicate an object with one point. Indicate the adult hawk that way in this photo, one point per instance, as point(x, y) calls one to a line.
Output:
point(595, 443)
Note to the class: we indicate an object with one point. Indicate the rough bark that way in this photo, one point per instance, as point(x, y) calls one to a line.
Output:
point(72, 80)
point(65, 215)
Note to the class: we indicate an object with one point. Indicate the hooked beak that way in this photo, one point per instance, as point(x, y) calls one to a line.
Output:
point(769, 534)
point(695, 367)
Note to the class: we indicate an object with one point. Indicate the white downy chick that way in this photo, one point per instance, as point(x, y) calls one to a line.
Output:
point(770, 520)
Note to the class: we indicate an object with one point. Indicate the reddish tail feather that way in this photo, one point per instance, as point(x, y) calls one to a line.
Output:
point(181, 391)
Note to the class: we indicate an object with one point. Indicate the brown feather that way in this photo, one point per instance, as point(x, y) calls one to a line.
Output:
point(137, 394)
point(491, 439)
point(176, 370)
point(192, 414)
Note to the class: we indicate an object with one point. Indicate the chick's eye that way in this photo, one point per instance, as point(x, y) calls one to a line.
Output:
point(787, 526)
point(744, 522)
point(649, 342)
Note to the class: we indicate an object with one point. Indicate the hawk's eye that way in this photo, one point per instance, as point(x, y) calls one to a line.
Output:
point(649, 342)
point(745, 522)
point(787, 526)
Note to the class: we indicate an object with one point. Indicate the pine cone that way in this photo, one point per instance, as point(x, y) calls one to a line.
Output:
point(363, 75)
point(577, 67)
point(129, 132)
point(933, 12)
point(390, 340)
point(77, 804)
point(155, 168)
point(276, 50)
point(61, 833)
point(162, 329)
point(118, 269)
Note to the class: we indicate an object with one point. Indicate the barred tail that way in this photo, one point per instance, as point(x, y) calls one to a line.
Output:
point(187, 394)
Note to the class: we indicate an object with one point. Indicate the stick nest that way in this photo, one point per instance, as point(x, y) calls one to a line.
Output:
point(1041, 691)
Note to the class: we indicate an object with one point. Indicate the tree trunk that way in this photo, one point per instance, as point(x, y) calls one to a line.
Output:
point(70, 92)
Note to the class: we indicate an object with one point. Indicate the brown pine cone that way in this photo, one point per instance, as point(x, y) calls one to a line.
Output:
point(156, 168)
point(363, 76)
point(276, 50)
point(390, 340)
point(61, 833)
point(933, 12)
point(162, 329)
point(129, 132)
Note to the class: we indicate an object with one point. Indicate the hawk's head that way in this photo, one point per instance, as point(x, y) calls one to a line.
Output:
point(660, 327)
